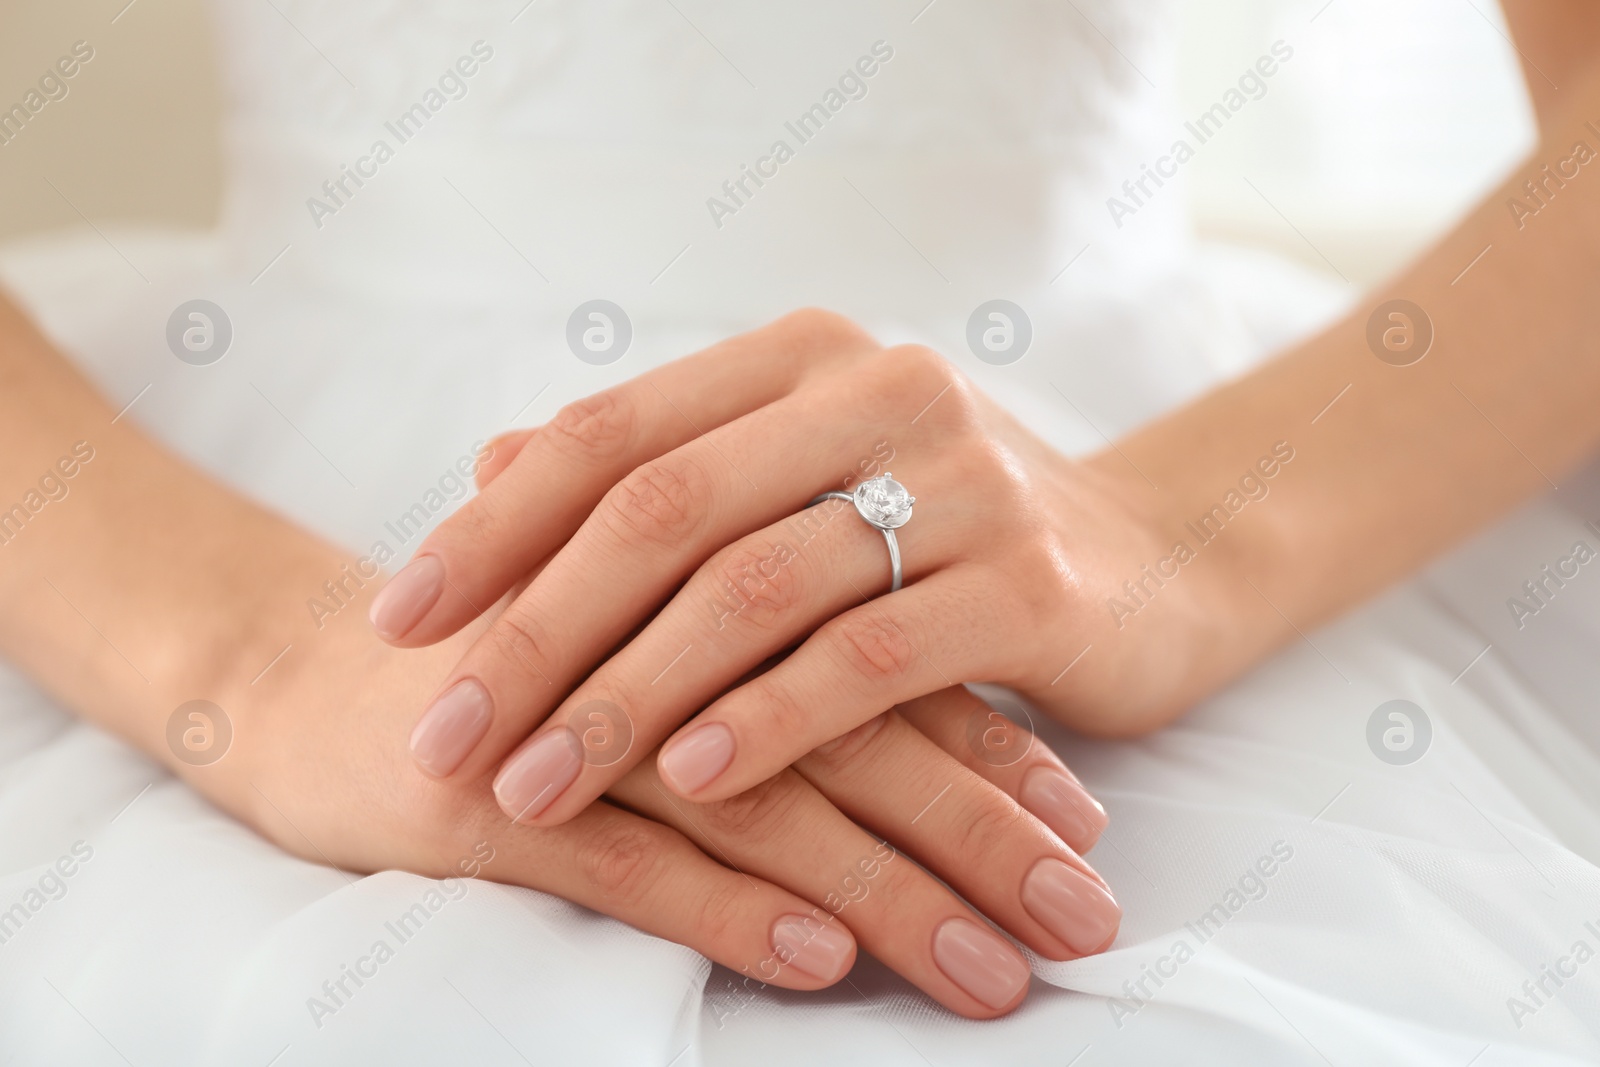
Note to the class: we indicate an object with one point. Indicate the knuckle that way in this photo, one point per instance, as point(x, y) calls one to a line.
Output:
point(985, 824)
point(901, 882)
point(922, 370)
point(873, 645)
point(1042, 573)
point(623, 862)
point(523, 639)
point(763, 811)
point(758, 581)
point(603, 426)
point(664, 501)
point(988, 464)
point(780, 714)
point(919, 364)
point(719, 912)
point(480, 522)
point(814, 327)
point(1042, 587)
point(852, 747)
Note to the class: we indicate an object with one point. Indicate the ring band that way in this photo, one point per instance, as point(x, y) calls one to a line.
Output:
point(884, 504)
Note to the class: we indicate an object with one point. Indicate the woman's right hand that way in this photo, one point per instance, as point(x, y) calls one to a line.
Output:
point(200, 588)
point(778, 883)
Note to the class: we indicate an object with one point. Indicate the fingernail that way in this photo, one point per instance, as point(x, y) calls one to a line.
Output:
point(537, 775)
point(980, 962)
point(402, 603)
point(1063, 805)
point(691, 762)
point(821, 950)
point(1071, 905)
point(451, 727)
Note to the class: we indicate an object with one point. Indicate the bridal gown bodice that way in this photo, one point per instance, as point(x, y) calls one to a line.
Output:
point(419, 195)
point(932, 151)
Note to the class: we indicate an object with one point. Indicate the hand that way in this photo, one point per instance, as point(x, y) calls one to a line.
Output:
point(318, 766)
point(777, 882)
point(682, 487)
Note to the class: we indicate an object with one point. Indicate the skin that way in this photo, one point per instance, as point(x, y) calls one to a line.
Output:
point(151, 584)
point(987, 551)
point(1018, 558)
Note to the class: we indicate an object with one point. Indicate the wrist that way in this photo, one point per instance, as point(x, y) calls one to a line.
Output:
point(1181, 603)
point(149, 586)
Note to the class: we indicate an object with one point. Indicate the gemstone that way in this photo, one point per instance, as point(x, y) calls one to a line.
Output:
point(884, 502)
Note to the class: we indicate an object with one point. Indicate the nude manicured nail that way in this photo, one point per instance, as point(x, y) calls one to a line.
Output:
point(694, 760)
point(401, 604)
point(822, 951)
point(1071, 905)
point(537, 775)
point(980, 961)
point(1063, 805)
point(452, 727)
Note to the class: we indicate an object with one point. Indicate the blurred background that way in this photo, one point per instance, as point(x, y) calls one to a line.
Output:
point(136, 138)
point(1392, 117)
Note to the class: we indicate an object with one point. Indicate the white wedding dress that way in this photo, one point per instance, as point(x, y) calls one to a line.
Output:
point(1428, 913)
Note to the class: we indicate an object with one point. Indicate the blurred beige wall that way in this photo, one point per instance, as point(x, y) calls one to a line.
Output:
point(135, 139)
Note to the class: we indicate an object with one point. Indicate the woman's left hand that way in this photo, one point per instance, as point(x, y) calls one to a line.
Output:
point(665, 522)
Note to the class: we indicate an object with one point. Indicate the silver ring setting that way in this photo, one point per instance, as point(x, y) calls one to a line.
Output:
point(884, 504)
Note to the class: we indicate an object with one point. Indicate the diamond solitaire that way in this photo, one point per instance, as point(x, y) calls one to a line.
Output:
point(885, 505)
point(884, 502)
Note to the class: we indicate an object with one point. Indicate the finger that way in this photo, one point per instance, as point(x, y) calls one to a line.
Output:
point(929, 636)
point(501, 451)
point(668, 516)
point(645, 538)
point(748, 602)
point(562, 472)
point(651, 877)
point(787, 832)
point(1009, 756)
point(895, 782)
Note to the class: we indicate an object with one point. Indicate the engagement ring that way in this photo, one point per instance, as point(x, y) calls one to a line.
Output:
point(885, 504)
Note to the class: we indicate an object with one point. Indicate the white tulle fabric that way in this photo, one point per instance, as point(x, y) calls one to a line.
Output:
point(1406, 906)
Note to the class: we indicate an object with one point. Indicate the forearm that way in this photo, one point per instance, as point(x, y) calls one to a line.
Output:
point(143, 584)
point(1392, 464)
point(1557, 42)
